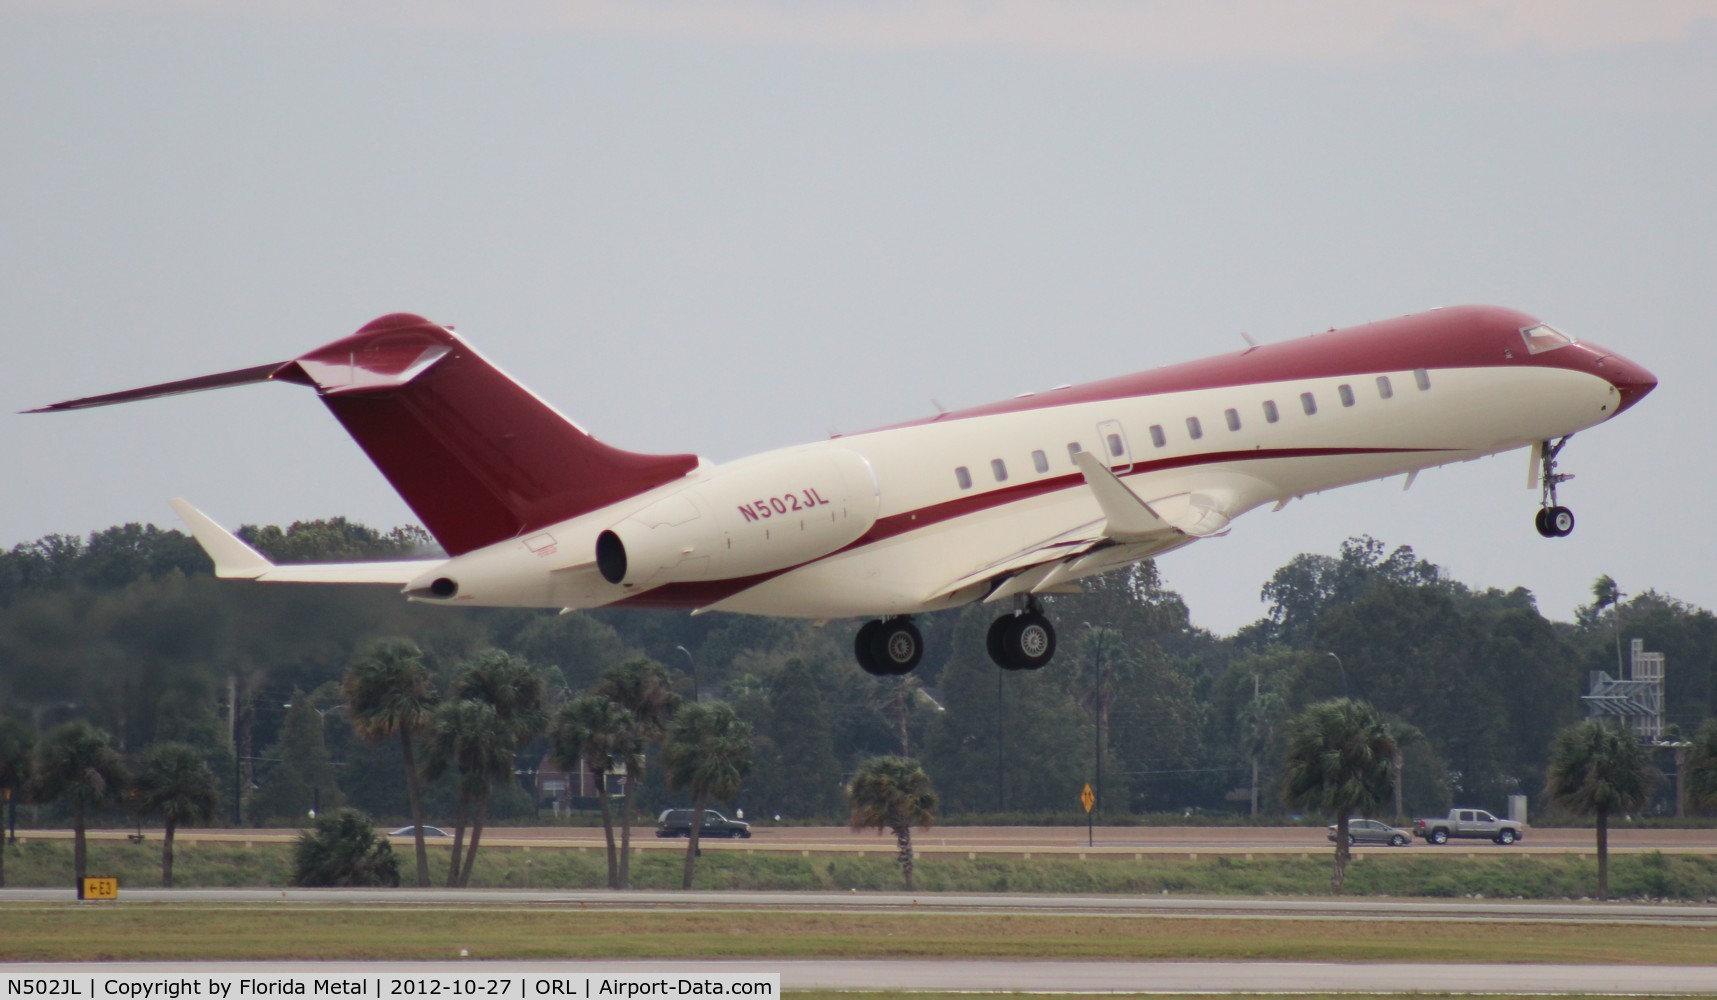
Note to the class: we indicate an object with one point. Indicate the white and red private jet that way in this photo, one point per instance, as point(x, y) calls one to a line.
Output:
point(1001, 503)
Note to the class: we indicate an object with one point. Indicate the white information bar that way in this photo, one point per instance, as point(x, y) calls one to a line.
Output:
point(437, 984)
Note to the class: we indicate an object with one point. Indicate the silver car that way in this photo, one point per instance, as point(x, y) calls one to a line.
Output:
point(1371, 831)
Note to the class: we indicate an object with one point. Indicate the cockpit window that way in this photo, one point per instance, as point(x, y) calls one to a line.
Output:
point(1544, 337)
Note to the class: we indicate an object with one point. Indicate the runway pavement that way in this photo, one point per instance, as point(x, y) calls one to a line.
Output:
point(1298, 909)
point(1041, 976)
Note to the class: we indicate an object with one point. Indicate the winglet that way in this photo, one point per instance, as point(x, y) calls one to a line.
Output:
point(1129, 518)
point(234, 560)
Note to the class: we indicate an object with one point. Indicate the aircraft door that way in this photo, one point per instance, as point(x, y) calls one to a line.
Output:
point(1112, 445)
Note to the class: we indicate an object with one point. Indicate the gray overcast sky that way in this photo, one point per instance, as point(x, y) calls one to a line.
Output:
point(724, 227)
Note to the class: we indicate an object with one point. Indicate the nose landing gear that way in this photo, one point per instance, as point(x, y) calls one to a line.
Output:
point(1552, 520)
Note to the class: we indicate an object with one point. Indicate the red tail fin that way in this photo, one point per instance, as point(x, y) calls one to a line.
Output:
point(476, 455)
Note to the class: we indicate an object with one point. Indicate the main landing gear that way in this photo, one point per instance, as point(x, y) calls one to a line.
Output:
point(1024, 640)
point(1552, 520)
point(891, 647)
point(888, 647)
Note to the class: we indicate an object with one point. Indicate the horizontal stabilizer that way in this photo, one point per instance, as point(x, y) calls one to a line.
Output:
point(234, 560)
point(202, 383)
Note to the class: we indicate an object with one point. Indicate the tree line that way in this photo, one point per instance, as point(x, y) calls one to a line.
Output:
point(128, 631)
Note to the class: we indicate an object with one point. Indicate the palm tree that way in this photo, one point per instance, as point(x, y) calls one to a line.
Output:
point(642, 687)
point(469, 736)
point(1340, 760)
point(518, 693)
point(17, 742)
point(595, 732)
point(343, 850)
point(894, 794)
point(1595, 770)
point(388, 693)
point(519, 698)
point(1702, 767)
point(708, 751)
point(175, 782)
point(78, 762)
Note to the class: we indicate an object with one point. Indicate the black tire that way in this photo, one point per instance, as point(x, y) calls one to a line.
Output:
point(1438, 836)
point(1506, 837)
point(1541, 521)
point(1029, 641)
point(864, 645)
point(1352, 840)
point(896, 646)
point(995, 641)
point(1561, 521)
point(1397, 841)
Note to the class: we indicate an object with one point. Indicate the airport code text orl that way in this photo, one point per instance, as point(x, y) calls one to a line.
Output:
point(538, 986)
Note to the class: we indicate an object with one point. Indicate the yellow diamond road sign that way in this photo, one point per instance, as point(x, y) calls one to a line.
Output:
point(1088, 797)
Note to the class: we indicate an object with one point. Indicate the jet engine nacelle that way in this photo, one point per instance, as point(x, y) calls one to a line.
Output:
point(760, 518)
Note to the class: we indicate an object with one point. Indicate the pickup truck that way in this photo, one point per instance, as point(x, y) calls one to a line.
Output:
point(1471, 824)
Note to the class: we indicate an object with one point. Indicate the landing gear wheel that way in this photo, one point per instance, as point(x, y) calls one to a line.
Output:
point(996, 641)
point(862, 648)
point(896, 646)
point(1553, 520)
point(1029, 641)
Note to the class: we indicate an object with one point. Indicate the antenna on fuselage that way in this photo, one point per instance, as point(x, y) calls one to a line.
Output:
point(1251, 345)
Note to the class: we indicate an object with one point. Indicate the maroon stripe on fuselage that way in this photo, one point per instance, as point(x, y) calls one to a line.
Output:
point(1457, 337)
point(706, 592)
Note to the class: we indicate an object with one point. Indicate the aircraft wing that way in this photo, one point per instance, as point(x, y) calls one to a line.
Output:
point(1131, 529)
point(234, 560)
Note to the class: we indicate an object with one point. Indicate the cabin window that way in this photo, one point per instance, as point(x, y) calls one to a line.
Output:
point(1422, 379)
point(963, 476)
point(1233, 418)
point(1309, 403)
point(999, 469)
point(1116, 448)
point(1384, 389)
point(1193, 429)
point(1158, 438)
point(1040, 461)
point(1072, 450)
point(1346, 394)
point(1271, 414)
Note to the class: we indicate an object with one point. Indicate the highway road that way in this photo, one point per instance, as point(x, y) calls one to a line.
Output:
point(1122, 841)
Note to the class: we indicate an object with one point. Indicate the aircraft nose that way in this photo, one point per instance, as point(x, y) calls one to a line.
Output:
point(1631, 380)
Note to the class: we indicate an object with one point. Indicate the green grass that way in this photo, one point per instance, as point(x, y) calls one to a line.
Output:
point(1396, 873)
point(167, 932)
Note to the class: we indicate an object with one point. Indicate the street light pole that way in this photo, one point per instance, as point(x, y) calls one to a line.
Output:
point(693, 665)
point(1343, 669)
